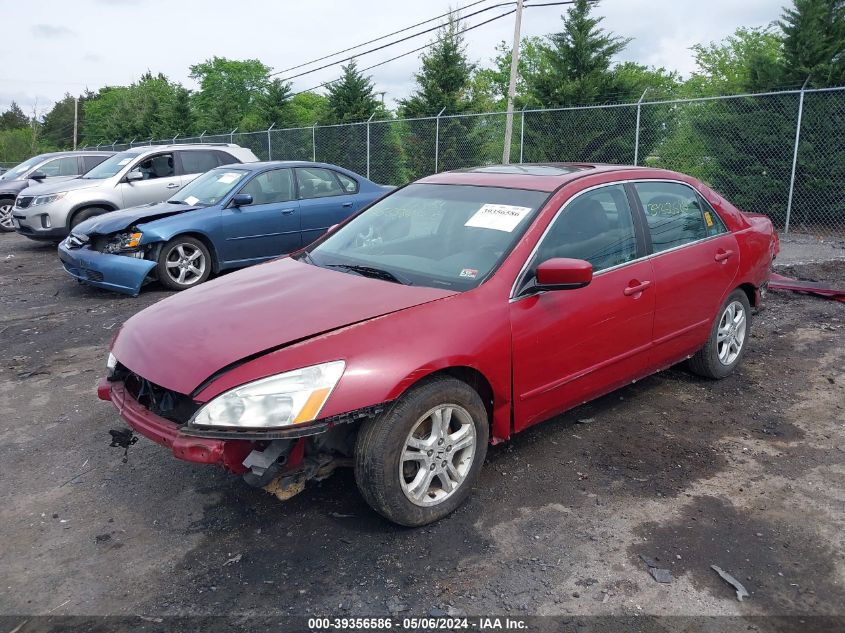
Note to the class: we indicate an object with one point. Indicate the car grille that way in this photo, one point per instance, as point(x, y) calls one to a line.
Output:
point(170, 405)
point(23, 202)
point(83, 273)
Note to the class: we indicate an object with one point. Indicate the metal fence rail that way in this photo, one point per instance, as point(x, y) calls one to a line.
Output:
point(778, 153)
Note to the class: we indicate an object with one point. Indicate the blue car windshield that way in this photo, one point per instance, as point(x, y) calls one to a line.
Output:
point(210, 188)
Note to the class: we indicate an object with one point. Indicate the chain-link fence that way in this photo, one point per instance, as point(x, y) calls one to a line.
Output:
point(780, 153)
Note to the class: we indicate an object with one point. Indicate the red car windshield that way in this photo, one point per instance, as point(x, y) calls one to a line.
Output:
point(450, 236)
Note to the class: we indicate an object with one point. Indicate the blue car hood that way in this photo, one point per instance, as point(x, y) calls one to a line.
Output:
point(114, 221)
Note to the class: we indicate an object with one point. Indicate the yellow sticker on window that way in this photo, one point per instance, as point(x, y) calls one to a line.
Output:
point(708, 219)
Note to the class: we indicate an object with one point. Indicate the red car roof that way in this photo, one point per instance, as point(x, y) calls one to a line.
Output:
point(538, 177)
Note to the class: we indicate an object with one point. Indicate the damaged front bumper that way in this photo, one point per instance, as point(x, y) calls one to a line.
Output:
point(119, 273)
point(200, 450)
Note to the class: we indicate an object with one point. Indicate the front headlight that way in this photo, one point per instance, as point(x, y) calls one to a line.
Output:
point(284, 400)
point(111, 362)
point(124, 242)
point(48, 199)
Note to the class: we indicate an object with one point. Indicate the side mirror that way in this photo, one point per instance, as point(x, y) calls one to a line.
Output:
point(562, 273)
point(241, 200)
point(37, 175)
point(134, 175)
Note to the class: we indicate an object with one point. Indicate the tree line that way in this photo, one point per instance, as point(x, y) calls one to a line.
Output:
point(571, 67)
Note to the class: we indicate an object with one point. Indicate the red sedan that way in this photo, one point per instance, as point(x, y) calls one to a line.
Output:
point(451, 314)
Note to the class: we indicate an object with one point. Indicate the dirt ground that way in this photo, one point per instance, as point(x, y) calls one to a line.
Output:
point(747, 474)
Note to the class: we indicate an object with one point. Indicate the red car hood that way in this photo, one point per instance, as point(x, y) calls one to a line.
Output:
point(181, 341)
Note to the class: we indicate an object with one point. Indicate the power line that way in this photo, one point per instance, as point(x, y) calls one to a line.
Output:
point(408, 28)
point(383, 46)
point(430, 44)
point(411, 52)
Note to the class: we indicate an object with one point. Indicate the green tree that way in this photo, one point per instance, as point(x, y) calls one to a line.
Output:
point(232, 94)
point(57, 125)
point(13, 118)
point(814, 42)
point(444, 83)
point(814, 48)
point(352, 99)
point(276, 104)
point(153, 108)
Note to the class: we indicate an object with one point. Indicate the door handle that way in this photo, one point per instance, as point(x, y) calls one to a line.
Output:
point(723, 255)
point(288, 211)
point(173, 185)
point(635, 290)
point(346, 204)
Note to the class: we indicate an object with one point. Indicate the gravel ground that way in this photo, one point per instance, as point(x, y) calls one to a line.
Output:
point(746, 473)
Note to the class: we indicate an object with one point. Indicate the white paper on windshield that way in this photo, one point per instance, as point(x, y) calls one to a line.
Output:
point(125, 161)
point(499, 217)
point(229, 177)
point(192, 200)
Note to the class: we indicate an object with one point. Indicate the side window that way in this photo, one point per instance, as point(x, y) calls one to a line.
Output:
point(673, 212)
point(67, 166)
point(89, 162)
point(597, 226)
point(349, 185)
point(160, 166)
point(224, 158)
point(712, 221)
point(315, 182)
point(198, 161)
point(271, 186)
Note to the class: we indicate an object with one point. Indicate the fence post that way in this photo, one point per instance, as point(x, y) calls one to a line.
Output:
point(132, 141)
point(522, 133)
point(368, 144)
point(201, 135)
point(314, 143)
point(637, 132)
point(795, 155)
point(174, 139)
point(437, 140)
point(232, 135)
point(269, 143)
point(113, 145)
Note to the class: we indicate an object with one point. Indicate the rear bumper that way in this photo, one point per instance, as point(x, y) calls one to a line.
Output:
point(110, 272)
point(228, 453)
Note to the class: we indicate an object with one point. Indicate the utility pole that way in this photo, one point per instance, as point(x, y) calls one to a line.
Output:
point(506, 153)
point(75, 120)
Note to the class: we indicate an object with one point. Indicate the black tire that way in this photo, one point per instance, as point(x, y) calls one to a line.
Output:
point(707, 361)
point(85, 214)
point(382, 441)
point(6, 205)
point(170, 255)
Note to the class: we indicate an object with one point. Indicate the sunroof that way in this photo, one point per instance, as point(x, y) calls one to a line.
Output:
point(530, 170)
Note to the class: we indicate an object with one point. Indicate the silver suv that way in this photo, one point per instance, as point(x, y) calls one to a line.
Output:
point(42, 169)
point(137, 176)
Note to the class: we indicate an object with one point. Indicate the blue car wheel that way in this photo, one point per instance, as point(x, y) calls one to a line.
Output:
point(183, 262)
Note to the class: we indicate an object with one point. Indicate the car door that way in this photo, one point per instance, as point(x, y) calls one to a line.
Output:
point(160, 180)
point(323, 201)
point(570, 346)
point(268, 227)
point(695, 261)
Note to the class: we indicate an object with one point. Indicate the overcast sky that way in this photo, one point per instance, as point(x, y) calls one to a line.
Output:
point(56, 46)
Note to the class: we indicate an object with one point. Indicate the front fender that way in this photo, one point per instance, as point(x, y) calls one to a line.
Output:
point(388, 354)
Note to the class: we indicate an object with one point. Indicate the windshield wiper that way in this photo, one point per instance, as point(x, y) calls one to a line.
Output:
point(370, 271)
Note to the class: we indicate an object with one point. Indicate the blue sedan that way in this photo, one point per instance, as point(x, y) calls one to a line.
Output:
point(229, 217)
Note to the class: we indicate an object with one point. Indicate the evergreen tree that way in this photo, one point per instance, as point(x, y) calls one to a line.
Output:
point(814, 42)
point(352, 99)
point(444, 81)
point(13, 118)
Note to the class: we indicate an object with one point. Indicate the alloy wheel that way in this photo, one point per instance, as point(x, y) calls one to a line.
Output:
point(185, 264)
point(730, 336)
point(437, 455)
point(6, 216)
